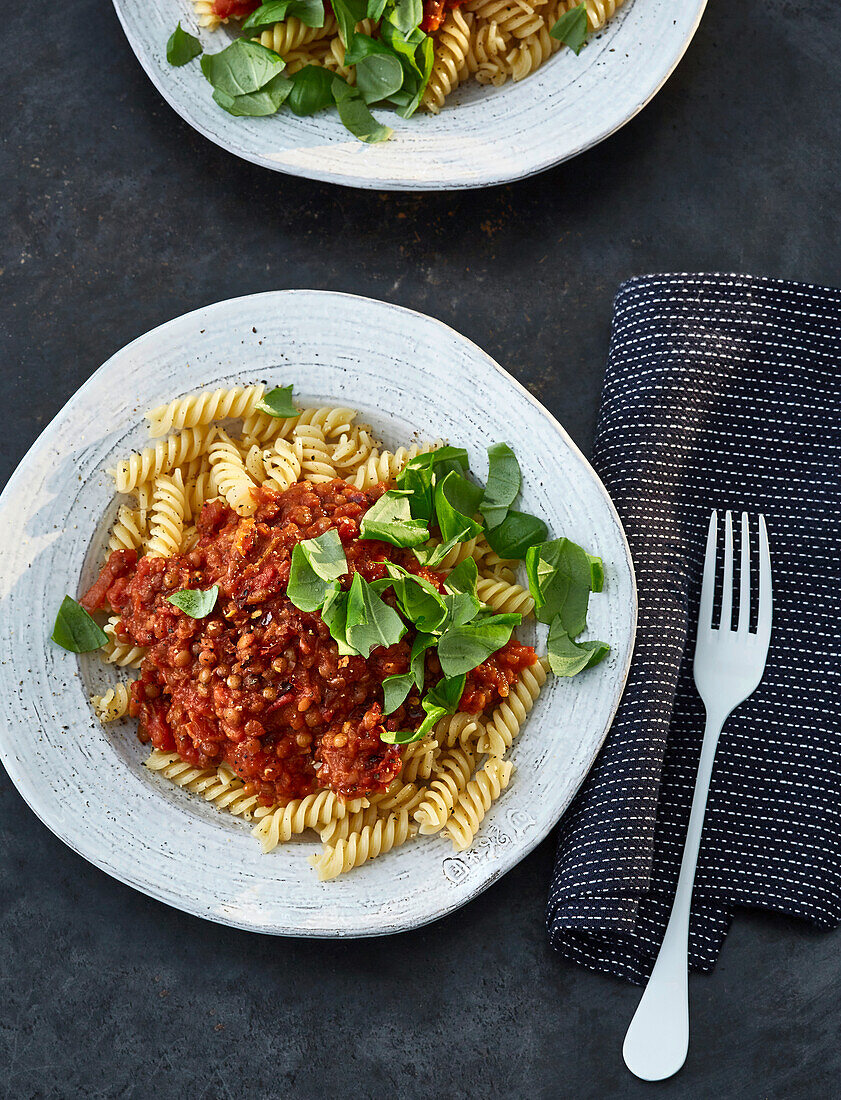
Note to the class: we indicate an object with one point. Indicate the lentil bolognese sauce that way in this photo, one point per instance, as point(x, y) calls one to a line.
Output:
point(323, 628)
point(260, 685)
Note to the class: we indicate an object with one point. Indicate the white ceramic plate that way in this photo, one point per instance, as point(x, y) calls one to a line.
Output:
point(483, 136)
point(408, 375)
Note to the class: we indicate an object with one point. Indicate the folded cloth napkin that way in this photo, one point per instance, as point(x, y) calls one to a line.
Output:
point(721, 392)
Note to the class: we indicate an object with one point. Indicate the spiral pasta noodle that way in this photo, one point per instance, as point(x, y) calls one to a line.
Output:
point(219, 786)
point(113, 704)
point(418, 760)
point(312, 453)
point(197, 409)
point(230, 477)
point(475, 801)
point(369, 843)
point(206, 14)
point(128, 531)
point(399, 796)
point(506, 720)
point(166, 519)
point(340, 828)
point(161, 458)
point(452, 775)
point(504, 597)
point(310, 812)
point(118, 652)
point(283, 467)
point(452, 45)
point(457, 729)
point(292, 33)
point(352, 449)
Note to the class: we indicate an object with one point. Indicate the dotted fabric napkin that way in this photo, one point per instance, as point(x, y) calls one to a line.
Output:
point(721, 392)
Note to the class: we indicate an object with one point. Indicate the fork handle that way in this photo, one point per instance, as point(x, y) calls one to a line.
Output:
point(658, 1039)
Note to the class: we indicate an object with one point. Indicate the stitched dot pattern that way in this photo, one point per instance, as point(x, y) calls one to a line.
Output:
point(721, 392)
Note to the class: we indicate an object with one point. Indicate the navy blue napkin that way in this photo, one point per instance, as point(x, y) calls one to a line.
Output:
point(721, 392)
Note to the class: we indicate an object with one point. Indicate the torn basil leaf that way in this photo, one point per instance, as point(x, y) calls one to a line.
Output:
point(334, 614)
point(308, 12)
point(463, 578)
point(395, 690)
point(568, 658)
point(560, 579)
point(390, 520)
point(278, 402)
point(453, 523)
point(194, 602)
point(241, 68)
point(462, 648)
point(370, 621)
point(75, 630)
point(417, 660)
point(315, 564)
point(418, 599)
point(354, 113)
point(348, 13)
point(259, 104)
point(571, 29)
point(447, 693)
point(517, 532)
point(504, 479)
point(312, 91)
point(182, 47)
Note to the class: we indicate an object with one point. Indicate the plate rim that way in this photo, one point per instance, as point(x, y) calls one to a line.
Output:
point(185, 902)
point(381, 184)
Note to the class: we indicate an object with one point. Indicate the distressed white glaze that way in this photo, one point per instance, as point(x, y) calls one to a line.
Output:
point(483, 136)
point(409, 375)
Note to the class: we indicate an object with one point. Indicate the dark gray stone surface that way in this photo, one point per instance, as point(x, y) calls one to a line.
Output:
point(117, 217)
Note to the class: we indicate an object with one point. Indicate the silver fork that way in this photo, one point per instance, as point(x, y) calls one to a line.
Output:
point(728, 667)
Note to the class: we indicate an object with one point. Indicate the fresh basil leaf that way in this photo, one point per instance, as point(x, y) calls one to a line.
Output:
point(516, 534)
point(405, 46)
point(334, 614)
point(453, 523)
point(462, 607)
point(503, 485)
point(75, 630)
point(465, 496)
point(568, 658)
point(560, 578)
point(194, 602)
point(378, 76)
point(348, 13)
point(462, 648)
point(463, 578)
point(417, 661)
point(419, 473)
point(182, 47)
point(390, 520)
point(432, 556)
point(354, 113)
point(312, 91)
point(370, 621)
point(571, 28)
point(364, 46)
point(596, 573)
point(316, 563)
point(407, 15)
point(395, 690)
point(406, 737)
point(446, 693)
point(256, 104)
point(418, 599)
point(375, 10)
point(424, 60)
point(309, 12)
point(278, 402)
point(241, 68)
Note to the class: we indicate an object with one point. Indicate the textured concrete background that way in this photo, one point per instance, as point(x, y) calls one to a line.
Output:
point(117, 217)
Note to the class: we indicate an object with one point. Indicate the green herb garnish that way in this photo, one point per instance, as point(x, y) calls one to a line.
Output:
point(241, 68)
point(75, 630)
point(390, 520)
point(516, 534)
point(316, 564)
point(571, 29)
point(309, 12)
point(278, 402)
point(182, 47)
point(503, 485)
point(312, 90)
point(194, 602)
point(464, 647)
point(568, 658)
point(370, 621)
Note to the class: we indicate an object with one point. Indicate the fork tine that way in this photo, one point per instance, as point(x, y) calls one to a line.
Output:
point(744, 579)
point(726, 617)
point(763, 625)
point(705, 614)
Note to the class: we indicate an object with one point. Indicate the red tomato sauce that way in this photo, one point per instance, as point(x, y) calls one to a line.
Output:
point(434, 12)
point(225, 9)
point(259, 684)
